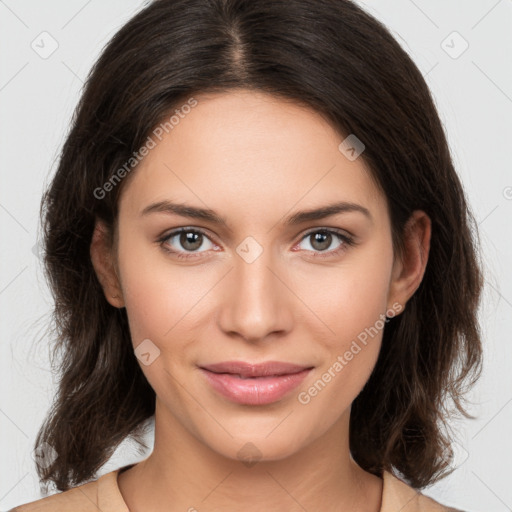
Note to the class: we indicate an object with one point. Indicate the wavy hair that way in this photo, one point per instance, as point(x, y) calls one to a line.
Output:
point(339, 61)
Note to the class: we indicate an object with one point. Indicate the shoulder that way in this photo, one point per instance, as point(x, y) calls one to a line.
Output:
point(88, 497)
point(80, 499)
point(398, 495)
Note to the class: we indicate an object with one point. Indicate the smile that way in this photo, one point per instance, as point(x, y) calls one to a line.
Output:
point(254, 384)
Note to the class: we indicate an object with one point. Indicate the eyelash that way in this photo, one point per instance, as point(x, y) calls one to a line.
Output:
point(347, 242)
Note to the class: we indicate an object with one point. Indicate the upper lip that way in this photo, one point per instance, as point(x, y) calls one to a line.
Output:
point(265, 369)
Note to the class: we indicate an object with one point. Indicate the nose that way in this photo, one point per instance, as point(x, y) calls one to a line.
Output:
point(256, 299)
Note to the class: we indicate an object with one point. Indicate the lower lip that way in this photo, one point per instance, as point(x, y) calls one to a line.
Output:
point(257, 390)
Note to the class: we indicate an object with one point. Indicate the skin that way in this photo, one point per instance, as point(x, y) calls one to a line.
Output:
point(254, 159)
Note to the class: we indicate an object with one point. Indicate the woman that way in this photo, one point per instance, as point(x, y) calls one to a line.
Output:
point(299, 354)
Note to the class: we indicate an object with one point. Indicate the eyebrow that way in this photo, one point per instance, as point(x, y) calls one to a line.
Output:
point(211, 216)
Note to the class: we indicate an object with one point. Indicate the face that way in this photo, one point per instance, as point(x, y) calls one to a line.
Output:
point(266, 284)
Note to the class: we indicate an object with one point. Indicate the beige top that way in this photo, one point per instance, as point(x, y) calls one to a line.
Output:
point(104, 495)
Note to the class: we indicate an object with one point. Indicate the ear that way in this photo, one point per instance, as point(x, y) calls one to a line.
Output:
point(408, 270)
point(102, 257)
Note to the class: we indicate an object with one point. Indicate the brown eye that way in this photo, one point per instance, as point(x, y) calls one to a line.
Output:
point(186, 240)
point(190, 240)
point(322, 241)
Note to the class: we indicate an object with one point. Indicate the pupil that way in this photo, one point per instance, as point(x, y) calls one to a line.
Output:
point(318, 238)
point(189, 237)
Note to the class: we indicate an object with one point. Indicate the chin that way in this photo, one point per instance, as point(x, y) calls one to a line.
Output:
point(251, 449)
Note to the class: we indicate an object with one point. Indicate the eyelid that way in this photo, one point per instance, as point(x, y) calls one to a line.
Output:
point(338, 231)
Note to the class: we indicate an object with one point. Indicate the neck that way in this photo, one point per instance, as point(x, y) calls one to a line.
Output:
point(183, 473)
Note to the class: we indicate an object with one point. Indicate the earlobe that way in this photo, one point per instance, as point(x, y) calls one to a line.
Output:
point(409, 269)
point(101, 252)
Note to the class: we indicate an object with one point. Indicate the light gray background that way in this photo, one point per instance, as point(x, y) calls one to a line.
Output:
point(473, 93)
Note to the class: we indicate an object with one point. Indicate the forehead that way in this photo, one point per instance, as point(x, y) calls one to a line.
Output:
point(251, 150)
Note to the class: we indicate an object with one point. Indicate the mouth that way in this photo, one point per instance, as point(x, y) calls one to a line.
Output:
point(254, 384)
point(247, 370)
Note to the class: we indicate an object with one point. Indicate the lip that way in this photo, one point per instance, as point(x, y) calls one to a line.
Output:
point(254, 384)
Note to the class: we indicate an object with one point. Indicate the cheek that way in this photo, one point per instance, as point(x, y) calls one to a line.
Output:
point(352, 304)
point(357, 306)
point(164, 301)
point(161, 302)
point(352, 297)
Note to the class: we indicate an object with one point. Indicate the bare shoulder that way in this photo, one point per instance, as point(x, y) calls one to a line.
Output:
point(428, 503)
point(398, 495)
point(82, 498)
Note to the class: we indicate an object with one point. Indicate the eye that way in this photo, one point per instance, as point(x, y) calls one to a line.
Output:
point(183, 240)
point(322, 239)
point(184, 243)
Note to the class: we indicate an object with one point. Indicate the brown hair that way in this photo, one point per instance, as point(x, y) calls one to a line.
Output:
point(339, 61)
